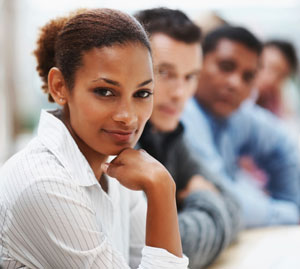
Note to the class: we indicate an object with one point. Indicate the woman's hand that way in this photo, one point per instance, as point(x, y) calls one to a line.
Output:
point(137, 170)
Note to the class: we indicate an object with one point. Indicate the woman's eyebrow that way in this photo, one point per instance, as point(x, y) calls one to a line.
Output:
point(116, 83)
point(145, 82)
point(109, 81)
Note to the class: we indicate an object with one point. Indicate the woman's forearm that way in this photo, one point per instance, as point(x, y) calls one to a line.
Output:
point(162, 228)
point(137, 170)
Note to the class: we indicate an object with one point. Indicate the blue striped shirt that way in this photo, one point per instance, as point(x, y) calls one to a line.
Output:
point(254, 132)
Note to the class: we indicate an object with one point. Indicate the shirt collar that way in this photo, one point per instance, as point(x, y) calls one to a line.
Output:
point(216, 122)
point(158, 143)
point(165, 137)
point(57, 139)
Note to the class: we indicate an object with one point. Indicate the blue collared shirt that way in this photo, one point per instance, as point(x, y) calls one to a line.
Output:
point(254, 132)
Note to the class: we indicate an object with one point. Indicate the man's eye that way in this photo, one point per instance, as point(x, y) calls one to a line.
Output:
point(192, 77)
point(166, 74)
point(103, 92)
point(248, 77)
point(143, 94)
point(163, 72)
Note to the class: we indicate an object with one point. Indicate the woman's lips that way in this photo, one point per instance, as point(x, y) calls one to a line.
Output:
point(119, 135)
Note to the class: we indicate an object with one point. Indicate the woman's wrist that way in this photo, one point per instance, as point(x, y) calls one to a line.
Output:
point(161, 186)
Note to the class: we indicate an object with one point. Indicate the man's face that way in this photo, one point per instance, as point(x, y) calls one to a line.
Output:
point(226, 77)
point(176, 67)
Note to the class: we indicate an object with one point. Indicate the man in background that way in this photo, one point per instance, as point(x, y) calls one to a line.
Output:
point(209, 217)
point(278, 63)
point(220, 130)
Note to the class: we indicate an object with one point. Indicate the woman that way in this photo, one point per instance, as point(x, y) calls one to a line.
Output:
point(59, 206)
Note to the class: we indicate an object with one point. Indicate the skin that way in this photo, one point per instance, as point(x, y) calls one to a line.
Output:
point(197, 183)
point(273, 72)
point(227, 77)
point(177, 66)
point(274, 69)
point(105, 113)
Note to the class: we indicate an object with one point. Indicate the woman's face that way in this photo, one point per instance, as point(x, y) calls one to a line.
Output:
point(111, 99)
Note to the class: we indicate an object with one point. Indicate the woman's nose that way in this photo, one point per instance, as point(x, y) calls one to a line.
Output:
point(125, 114)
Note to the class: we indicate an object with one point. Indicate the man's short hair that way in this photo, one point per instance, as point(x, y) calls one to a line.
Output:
point(288, 51)
point(173, 23)
point(233, 33)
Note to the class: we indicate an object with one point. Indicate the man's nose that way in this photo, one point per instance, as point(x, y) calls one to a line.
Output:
point(235, 82)
point(179, 88)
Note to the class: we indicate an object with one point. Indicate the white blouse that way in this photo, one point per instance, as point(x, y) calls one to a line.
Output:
point(54, 213)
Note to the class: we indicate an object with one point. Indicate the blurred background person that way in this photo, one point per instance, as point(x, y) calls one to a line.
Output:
point(274, 82)
point(209, 216)
point(220, 130)
point(275, 90)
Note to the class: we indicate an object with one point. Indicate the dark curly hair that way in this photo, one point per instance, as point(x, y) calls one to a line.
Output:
point(62, 41)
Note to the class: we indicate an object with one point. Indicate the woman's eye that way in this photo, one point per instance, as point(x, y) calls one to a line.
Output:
point(143, 94)
point(103, 92)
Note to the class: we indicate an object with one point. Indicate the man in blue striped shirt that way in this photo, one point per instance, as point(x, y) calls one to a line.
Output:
point(220, 129)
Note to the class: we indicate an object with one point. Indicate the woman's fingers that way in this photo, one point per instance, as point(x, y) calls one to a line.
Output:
point(135, 169)
point(115, 170)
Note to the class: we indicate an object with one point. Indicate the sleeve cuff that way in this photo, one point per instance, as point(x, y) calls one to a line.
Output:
point(161, 258)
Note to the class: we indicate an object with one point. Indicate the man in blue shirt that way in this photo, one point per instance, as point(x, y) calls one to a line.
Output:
point(220, 129)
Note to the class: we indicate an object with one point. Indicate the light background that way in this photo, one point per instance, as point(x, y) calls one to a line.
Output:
point(20, 96)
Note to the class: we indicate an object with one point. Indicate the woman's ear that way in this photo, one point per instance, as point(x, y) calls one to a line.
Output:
point(57, 86)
